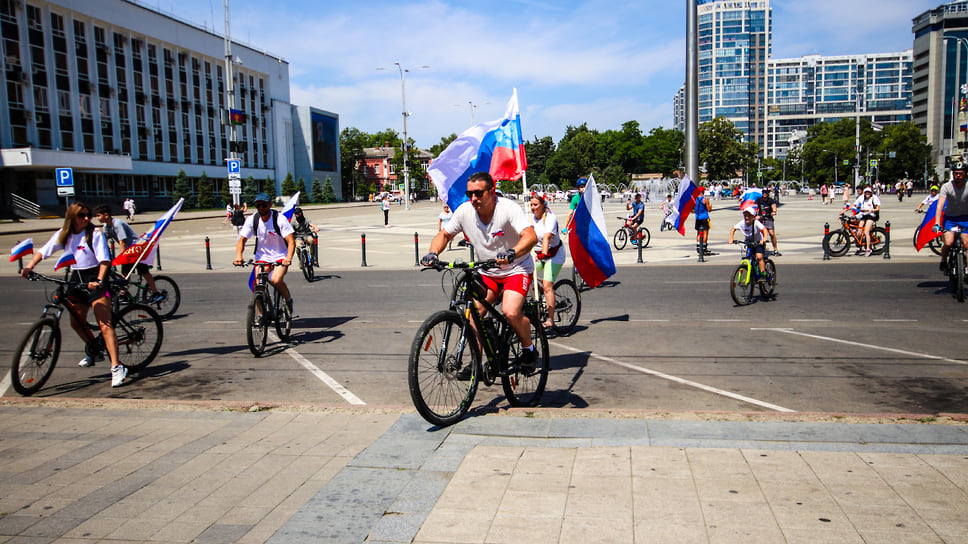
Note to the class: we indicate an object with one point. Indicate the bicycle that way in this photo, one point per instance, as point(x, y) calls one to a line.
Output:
point(955, 265)
point(137, 292)
point(837, 242)
point(306, 255)
point(265, 308)
point(642, 235)
point(137, 327)
point(578, 280)
point(935, 244)
point(747, 275)
point(445, 363)
point(567, 305)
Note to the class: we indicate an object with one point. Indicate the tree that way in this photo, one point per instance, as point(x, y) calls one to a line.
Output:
point(722, 150)
point(269, 188)
point(538, 152)
point(328, 194)
point(352, 141)
point(316, 192)
point(224, 193)
point(663, 150)
point(288, 185)
point(206, 199)
point(183, 189)
point(911, 152)
point(250, 188)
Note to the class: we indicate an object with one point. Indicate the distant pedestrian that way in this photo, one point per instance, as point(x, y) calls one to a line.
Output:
point(909, 186)
point(823, 193)
point(385, 206)
point(442, 221)
point(129, 208)
point(703, 207)
point(228, 215)
point(238, 216)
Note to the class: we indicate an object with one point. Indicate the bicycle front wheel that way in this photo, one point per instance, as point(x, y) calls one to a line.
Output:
point(283, 316)
point(257, 325)
point(140, 333)
point(837, 243)
point(768, 288)
point(306, 264)
point(443, 369)
point(878, 241)
point(621, 238)
point(567, 306)
point(525, 384)
point(644, 237)
point(34, 360)
point(741, 285)
point(168, 289)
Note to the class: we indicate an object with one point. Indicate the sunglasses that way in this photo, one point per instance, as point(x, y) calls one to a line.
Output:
point(84, 215)
point(478, 193)
point(261, 204)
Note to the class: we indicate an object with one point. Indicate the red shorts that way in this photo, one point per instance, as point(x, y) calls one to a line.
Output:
point(519, 283)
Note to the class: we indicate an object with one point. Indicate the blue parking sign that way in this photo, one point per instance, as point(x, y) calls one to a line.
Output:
point(234, 166)
point(64, 177)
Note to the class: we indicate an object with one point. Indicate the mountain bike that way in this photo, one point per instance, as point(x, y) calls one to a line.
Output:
point(138, 329)
point(306, 255)
point(955, 266)
point(746, 277)
point(266, 307)
point(935, 244)
point(642, 236)
point(137, 292)
point(837, 242)
point(445, 363)
point(567, 305)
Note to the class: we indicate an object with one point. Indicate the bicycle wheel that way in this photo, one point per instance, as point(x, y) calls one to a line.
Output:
point(878, 241)
point(283, 317)
point(567, 306)
point(741, 286)
point(169, 289)
point(960, 276)
point(621, 238)
point(257, 324)
point(644, 237)
point(836, 243)
point(34, 360)
point(768, 288)
point(524, 385)
point(936, 244)
point(439, 352)
point(306, 265)
point(140, 333)
point(578, 280)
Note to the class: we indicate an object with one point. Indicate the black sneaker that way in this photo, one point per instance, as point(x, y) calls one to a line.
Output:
point(777, 253)
point(158, 297)
point(527, 359)
point(464, 374)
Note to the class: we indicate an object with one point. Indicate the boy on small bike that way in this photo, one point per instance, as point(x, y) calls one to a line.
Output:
point(754, 231)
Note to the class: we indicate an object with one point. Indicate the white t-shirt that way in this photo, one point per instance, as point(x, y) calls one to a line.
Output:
point(272, 247)
point(866, 206)
point(755, 230)
point(86, 256)
point(549, 223)
point(501, 234)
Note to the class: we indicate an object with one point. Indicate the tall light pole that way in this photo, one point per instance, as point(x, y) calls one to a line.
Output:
point(230, 90)
point(403, 96)
point(692, 91)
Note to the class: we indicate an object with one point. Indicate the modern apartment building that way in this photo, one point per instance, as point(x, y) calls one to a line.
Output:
point(127, 96)
point(940, 69)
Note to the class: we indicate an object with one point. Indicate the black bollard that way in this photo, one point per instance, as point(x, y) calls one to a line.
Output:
point(887, 240)
point(363, 246)
point(639, 258)
point(208, 254)
point(416, 250)
point(826, 232)
point(315, 250)
point(158, 255)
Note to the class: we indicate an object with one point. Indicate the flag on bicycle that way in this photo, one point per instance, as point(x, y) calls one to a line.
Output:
point(252, 280)
point(67, 259)
point(137, 251)
point(290, 206)
point(587, 238)
point(22, 249)
point(685, 203)
point(925, 232)
point(496, 147)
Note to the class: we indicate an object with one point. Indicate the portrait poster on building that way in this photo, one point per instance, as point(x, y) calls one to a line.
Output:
point(324, 142)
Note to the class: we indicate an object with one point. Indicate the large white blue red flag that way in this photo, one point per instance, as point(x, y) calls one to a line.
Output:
point(685, 203)
point(137, 251)
point(22, 249)
point(496, 147)
point(290, 206)
point(925, 232)
point(587, 238)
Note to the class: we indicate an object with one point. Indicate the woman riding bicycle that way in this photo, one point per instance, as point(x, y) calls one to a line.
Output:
point(756, 232)
point(548, 256)
point(91, 262)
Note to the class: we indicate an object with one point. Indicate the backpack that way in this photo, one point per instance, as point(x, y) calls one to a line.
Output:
point(255, 226)
point(238, 218)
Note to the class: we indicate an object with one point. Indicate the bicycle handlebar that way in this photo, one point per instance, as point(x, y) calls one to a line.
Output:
point(442, 265)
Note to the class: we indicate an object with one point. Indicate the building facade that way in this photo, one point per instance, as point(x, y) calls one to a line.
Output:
point(129, 96)
point(940, 69)
point(378, 169)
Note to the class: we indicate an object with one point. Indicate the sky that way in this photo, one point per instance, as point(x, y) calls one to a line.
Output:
point(601, 62)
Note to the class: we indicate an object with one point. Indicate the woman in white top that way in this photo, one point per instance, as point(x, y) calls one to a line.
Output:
point(868, 207)
point(79, 237)
point(442, 221)
point(549, 256)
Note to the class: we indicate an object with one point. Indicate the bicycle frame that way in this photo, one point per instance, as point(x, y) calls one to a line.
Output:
point(470, 311)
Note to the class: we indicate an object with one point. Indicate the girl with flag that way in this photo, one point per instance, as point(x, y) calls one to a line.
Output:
point(86, 251)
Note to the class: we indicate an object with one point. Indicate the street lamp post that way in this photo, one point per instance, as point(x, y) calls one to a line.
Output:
point(959, 90)
point(403, 95)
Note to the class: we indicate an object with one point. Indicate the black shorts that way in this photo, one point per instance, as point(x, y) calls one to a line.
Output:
point(82, 294)
point(767, 221)
point(702, 225)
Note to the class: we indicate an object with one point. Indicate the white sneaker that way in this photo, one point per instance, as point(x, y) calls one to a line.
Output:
point(89, 361)
point(118, 375)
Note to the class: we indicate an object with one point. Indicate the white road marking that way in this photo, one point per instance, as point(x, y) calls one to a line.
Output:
point(859, 344)
point(221, 322)
point(810, 320)
point(678, 380)
point(895, 321)
point(5, 383)
point(649, 320)
point(323, 377)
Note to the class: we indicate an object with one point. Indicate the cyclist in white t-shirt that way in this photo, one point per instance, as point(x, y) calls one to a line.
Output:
point(275, 243)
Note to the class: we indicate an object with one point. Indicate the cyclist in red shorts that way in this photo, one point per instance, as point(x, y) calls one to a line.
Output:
point(499, 229)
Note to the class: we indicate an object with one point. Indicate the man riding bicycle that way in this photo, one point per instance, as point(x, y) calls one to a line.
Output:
point(952, 210)
point(274, 243)
point(305, 232)
point(498, 229)
point(637, 215)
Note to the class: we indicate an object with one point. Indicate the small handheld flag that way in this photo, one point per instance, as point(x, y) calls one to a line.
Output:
point(67, 259)
point(22, 249)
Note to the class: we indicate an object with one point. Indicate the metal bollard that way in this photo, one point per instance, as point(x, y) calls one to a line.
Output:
point(158, 255)
point(315, 250)
point(363, 246)
point(826, 232)
point(639, 258)
point(887, 240)
point(416, 250)
point(208, 255)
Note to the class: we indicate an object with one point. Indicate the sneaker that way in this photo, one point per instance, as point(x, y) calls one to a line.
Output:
point(89, 361)
point(942, 266)
point(158, 297)
point(118, 375)
point(777, 253)
point(527, 359)
point(867, 253)
point(464, 374)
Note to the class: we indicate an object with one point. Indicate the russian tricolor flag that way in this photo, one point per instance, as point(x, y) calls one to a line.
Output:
point(289, 209)
point(588, 240)
point(146, 244)
point(22, 249)
point(67, 259)
point(925, 232)
point(496, 147)
point(685, 203)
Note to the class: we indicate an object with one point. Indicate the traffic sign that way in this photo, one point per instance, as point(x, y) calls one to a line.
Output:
point(64, 176)
point(873, 163)
point(234, 166)
point(235, 184)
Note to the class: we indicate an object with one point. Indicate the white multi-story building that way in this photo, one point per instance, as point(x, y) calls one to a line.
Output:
point(128, 96)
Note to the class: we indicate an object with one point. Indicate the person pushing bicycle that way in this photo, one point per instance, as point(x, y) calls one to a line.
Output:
point(952, 210)
point(498, 229)
point(275, 243)
point(305, 231)
point(754, 231)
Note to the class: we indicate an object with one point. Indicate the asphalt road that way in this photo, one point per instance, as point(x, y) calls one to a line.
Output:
point(868, 336)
